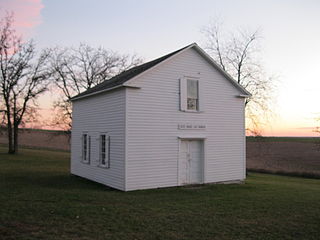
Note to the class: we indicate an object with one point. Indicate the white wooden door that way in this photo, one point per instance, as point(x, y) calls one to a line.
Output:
point(191, 162)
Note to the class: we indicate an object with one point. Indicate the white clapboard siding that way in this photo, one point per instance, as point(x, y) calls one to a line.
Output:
point(102, 113)
point(153, 114)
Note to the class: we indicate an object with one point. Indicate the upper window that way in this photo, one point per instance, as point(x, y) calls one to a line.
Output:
point(104, 150)
point(192, 95)
point(86, 142)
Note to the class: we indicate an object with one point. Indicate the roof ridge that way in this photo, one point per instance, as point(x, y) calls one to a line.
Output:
point(120, 79)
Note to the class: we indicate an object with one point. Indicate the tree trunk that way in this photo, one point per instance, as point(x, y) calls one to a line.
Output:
point(15, 138)
point(10, 138)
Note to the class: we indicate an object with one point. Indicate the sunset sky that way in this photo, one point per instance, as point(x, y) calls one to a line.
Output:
point(290, 29)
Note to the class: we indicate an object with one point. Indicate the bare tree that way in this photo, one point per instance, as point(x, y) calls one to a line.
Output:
point(238, 54)
point(78, 69)
point(23, 77)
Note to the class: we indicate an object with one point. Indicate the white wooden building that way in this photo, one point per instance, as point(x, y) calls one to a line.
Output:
point(173, 121)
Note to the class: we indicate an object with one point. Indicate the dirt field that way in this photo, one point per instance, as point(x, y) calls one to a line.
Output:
point(302, 158)
point(40, 139)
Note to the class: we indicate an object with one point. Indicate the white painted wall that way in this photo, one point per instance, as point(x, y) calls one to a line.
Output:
point(143, 126)
point(152, 118)
point(100, 113)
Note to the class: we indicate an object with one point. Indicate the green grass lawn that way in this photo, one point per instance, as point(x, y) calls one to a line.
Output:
point(40, 200)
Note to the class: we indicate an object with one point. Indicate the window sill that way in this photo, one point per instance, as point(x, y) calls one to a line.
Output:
point(191, 111)
point(103, 166)
point(85, 162)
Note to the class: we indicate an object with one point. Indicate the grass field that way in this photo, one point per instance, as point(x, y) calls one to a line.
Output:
point(40, 200)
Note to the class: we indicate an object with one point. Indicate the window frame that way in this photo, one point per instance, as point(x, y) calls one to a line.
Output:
point(184, 95)
point(85, 147)
point(106, 152)
point(196, 99)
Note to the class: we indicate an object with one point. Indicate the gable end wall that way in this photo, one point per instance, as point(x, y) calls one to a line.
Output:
point(152, 124)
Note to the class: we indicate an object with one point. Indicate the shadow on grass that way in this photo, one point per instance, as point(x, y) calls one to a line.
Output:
point(53, 181)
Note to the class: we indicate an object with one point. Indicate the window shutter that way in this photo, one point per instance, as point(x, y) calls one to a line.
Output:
point(81, 152)
point(98, 151)
point(89, 149)
point(183, 94)
point(201, 96)
point(107, 151)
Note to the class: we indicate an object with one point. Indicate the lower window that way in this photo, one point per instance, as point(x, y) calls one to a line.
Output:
point(86, 145)
point(104, 159)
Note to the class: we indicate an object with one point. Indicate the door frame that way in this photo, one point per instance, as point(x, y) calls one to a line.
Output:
point(204, 158)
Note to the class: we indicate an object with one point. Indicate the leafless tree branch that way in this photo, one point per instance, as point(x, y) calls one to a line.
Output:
point(238, 54)
point(75, 70)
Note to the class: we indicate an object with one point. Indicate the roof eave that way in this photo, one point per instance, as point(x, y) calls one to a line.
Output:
point(223, 72)
point(132, 80)
point(244, 95)
point(102, 91)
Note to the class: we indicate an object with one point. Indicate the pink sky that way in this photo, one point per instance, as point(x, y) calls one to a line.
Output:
point(27, 14)
point(290, 47)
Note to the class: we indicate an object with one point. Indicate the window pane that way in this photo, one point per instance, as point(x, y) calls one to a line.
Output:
point(192, 89)
point(103, 149)
point(89, 148)
point(103, 158)
point(84, 140)
point(192, 104)
point(84, 146)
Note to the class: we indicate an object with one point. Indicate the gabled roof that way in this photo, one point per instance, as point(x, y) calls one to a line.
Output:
point(120, 79)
